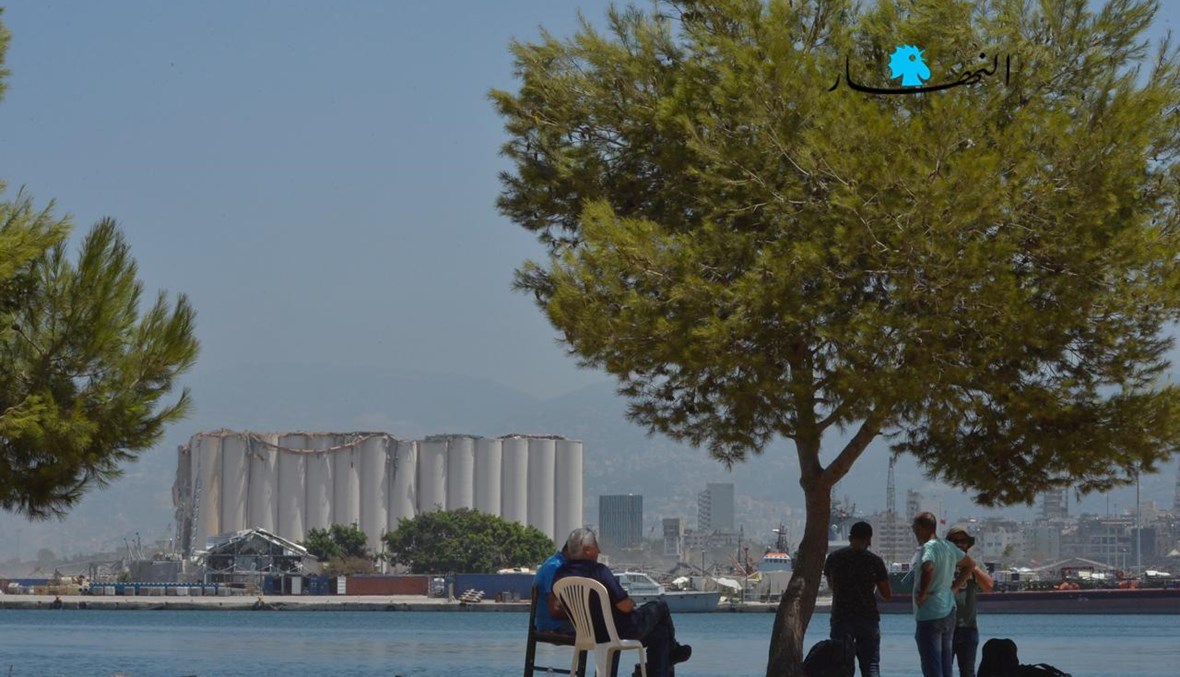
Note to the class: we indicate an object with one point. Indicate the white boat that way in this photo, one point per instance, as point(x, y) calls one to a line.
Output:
point(642, 588)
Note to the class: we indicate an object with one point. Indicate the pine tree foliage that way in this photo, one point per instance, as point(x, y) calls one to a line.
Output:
point(85, 362)
point(984, 275)
point(84, 372)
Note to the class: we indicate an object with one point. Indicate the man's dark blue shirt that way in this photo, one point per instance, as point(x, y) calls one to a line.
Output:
point(599, 572)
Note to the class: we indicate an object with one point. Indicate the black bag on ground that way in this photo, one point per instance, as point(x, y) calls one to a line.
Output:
point(998, 659)
point(830, 658)
point(1040, 670)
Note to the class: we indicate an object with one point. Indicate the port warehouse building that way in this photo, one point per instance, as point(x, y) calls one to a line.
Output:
point(290, 483)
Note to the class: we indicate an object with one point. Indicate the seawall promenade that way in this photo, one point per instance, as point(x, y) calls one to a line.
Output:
point(295, 603)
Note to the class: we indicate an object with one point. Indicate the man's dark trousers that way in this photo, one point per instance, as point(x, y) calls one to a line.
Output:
point(652, 625)
point(866, 635)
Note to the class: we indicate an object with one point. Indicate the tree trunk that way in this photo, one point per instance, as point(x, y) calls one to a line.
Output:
point(798, 600)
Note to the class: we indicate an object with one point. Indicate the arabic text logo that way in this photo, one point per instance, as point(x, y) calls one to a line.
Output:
point(906, 63)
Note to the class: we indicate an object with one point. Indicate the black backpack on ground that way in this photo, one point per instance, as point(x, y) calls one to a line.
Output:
point(998, 659)
point(830, 658)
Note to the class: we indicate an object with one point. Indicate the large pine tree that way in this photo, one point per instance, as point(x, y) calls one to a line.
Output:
point(983, 274)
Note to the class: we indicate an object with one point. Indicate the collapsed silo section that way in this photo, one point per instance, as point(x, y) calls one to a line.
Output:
point(262, 501)
point(567, 489)
point(403, 482)
point(514, 486)
point(206, 488)
point(292, 465)
point(460, 473)
point(318, 506)
point(432, 475)
point(374, 454)
point(346, 492)
point(542, 456)
point(182, 497)
point(488, 459)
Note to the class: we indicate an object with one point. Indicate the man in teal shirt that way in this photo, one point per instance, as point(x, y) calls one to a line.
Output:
point(545, 620)
point(934, 600)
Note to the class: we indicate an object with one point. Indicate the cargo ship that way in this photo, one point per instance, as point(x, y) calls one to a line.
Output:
point(1092, 600)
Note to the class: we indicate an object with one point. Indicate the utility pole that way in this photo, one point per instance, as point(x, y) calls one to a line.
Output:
point(891, 512)
point(1138, 529)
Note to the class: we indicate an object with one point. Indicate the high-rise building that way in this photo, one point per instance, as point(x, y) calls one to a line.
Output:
point(673, 536)
point(913, 504)
point(620, 521)
point(715, 507)
point(1055, 504)
point(893, 541)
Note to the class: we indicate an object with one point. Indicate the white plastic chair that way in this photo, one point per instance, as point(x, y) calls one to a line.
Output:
point(574, 593)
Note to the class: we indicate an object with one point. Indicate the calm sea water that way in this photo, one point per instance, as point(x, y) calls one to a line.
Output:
point(79, 643)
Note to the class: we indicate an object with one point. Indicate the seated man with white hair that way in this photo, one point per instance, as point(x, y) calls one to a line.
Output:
point(650, 623)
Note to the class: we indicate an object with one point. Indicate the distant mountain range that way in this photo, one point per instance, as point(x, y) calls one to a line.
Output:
point(620, 458)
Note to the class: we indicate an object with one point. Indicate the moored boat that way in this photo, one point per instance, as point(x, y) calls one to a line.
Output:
point(642, 588)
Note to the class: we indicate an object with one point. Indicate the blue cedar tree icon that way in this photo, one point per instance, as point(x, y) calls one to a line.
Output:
point(906, 63)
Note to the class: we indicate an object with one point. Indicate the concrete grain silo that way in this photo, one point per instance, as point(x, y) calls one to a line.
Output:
point(515, 477)
point(291, 483)
point(460, 472)
point(263, 500)
point(488, 459)
point(432, 475)
point(540, 483)
point(318, 501)
point(403, 492)
point(567, 490)
point(235, 482)
point(346, 481)
point(292, 467)
point(207, 490)
point(375, 454)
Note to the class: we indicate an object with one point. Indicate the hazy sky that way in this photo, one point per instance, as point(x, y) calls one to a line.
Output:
point(318, 177)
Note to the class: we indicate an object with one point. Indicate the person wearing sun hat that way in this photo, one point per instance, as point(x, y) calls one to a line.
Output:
point(966, 639)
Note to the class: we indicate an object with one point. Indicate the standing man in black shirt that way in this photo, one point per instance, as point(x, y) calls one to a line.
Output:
point(854, 574)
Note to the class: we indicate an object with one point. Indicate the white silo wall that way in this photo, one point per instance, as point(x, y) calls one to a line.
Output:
point(432, 475)
point(292, 487)
point(403, 483)
point(318, 508)
point(514, 480)
point(374, 453)
point(263, 499)
point(346, 492)
point(567, 489)
point(541, 481)
point(208, 489)
point(235, 482)
point(460, 473)
point(488, 457)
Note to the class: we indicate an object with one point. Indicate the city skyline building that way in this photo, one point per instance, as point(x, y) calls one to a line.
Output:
point(1176, 496)
point(1055, 504)
point(620, 520)
point(715, 507)
point(673, 536)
